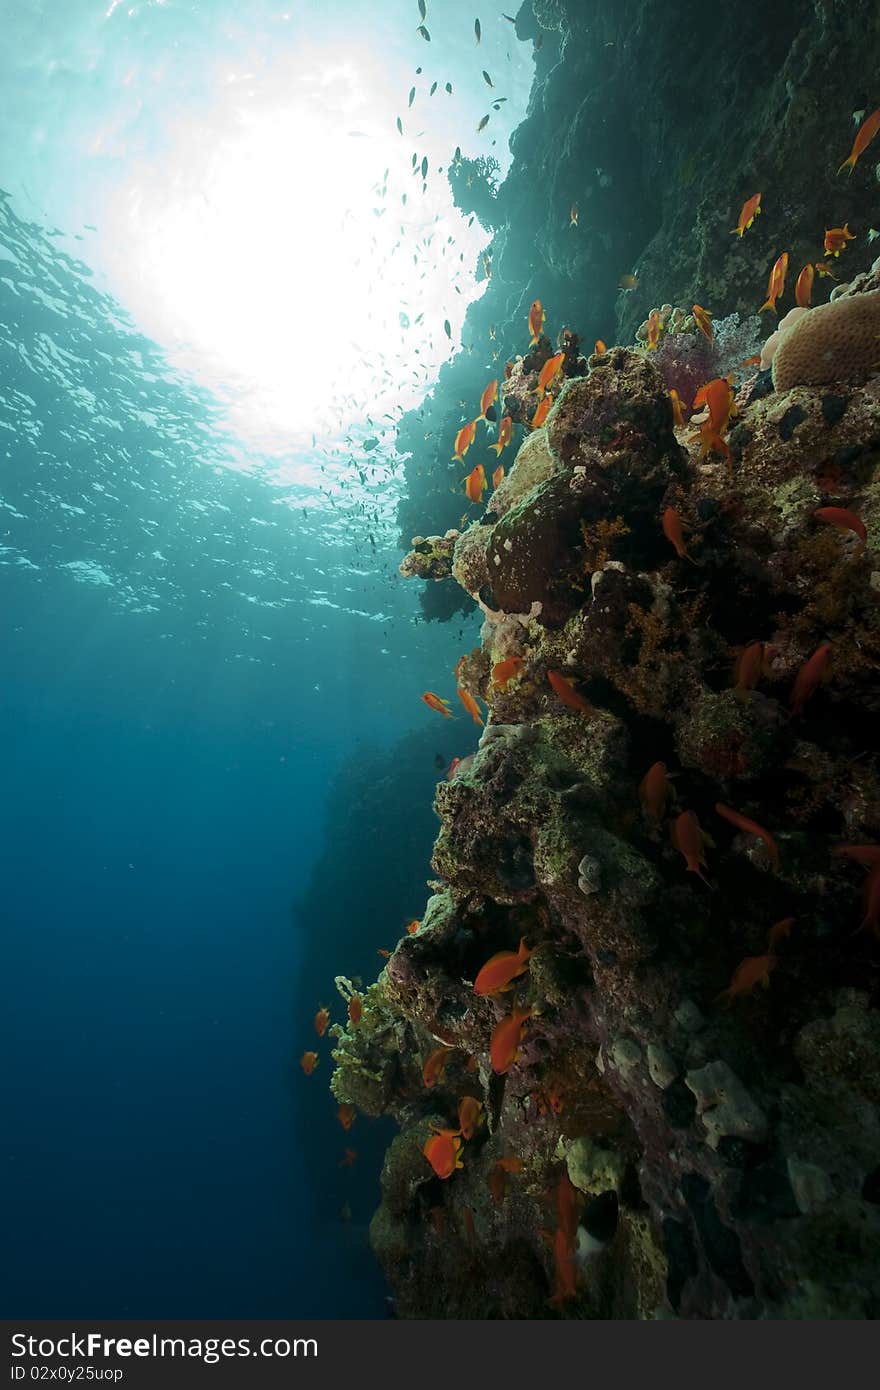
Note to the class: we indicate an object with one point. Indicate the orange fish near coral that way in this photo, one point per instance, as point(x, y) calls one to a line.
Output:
point(506, 1038)
point(717, 396)
point(355, 1010)
point(655, 328)
point(654, 791)
point(470, 1116)
point(308, 1061)
point(464, 439)
point(563, 687)
point(673, 533)
point(869, 855)
point(600, 349)
point(836, 239)
point(489, 397)
point(436, 702)
point(803, 287)
point(443, 1152)
point(435, 1065)
point(346, 1115)
point(754, 970)
point(476, 484)
point(749, 211)
point(809, 677)
point(823, 268)
point(549, 371)
point(690, 841)
point(750, 827)
point(779, 932)
point(502, 969)
point(749, 665)
point(413, 926)
point(505, 434)
point(564, 1268)
point(704, 322)
point(498, 477)
point(504, 671)
point(471, 706)
point(677, 408)
point(542, 411)
point(844, 521)
point(864, 135)
point(776, 283)
point(450, 771)
point(536, 321)
point(322, 1018)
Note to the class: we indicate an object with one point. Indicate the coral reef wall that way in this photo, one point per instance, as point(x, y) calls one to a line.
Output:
point(658, 125)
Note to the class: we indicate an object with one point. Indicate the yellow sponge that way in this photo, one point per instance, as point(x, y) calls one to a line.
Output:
point(838, 341)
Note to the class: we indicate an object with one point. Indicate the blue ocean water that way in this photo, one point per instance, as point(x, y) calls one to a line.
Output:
point(202, 628)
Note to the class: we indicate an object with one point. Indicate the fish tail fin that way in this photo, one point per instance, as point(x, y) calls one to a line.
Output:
point(848, 164)
point(768, 304)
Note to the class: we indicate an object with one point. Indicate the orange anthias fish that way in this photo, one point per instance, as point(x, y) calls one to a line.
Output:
point(542, 412)
point(864, 135)
point(628, 282)
point(655, 328)
point(489, 397)
point(464, 439)
point(600, 349)
point(562, 686)
point(704, 321)
point(502, 969)
point(868, 855)
point(443, 1152)
point(689, 839)
point(322, 1019)
point(844, 521)
point(823, 268)
point(436, 702)
point(654, 790)
point(346, 1115)
point(776, 283)
point(506, 1038)
point(809, 677)
point(750, 827)
point(470, 1116)
point(498, 477)
point(803, 288)
point(836, 239)
point(498, 1177)
point(717, 395)
point(750, 210)
point(504, 671)
point(476, 484)
point(754, 970)
point(505, 434)
point(355, 1010)
point(549, 371)
point(748, 668)
point(673, 533)
point(573, 215)
point(677, 408)
point(450, 771)
point(471, 706)
point(308, 1061)
point(778, 932)
point(564, 1268)
point(435, 1065)
point(413, 926)
point(536, 321)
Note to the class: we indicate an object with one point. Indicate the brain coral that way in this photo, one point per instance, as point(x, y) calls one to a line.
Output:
point(838, 341)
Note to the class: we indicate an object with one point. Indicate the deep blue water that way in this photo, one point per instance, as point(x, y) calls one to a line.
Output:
point(195, 640)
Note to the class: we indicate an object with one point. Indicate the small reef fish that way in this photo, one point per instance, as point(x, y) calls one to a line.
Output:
point(435, 1065)
point(776, 283)
point(322, 1019)
point(672, 531)
point(470, 1116)
point(477, 30)
point(844, 521)
point(489, 397)
point(505, 434)
point(628, 283)
point(562, 686)
point(470, 705)
point(655, 327)
point(750, 827)
point(346, 1115)
point(754, 970)
point(573, 215)
point(450, 771)
point(504, 671)
point(778, 932)
point(355, 1010)
point(868, 855)
point(748, 668)
point(600, 349)
point(809, 677)
point(498, 1176)
point(542, 411)
point(717, 396)
point(413, 926)
point(564, 1268)
point(381, 951)
point(704, 321)
point(308, 1061)
point(443, 1152)
point(654, 791)
point(864, 135)
point(502, 969)
point(836, 239)
point(436, 702)
point(677, 408)
point(537, 318)
point(506, 1038)
point(690, 841)
point(464, 439)
point(803, 288)
point(475, 484)
point(749, 211)
point(349, 1160)
point(498, 477)
point(549, 371)
point(823, 268)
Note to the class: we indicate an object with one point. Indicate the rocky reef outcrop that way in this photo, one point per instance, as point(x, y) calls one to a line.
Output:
point(675, 808)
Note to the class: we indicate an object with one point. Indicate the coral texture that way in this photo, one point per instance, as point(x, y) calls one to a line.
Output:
point(838, 341)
